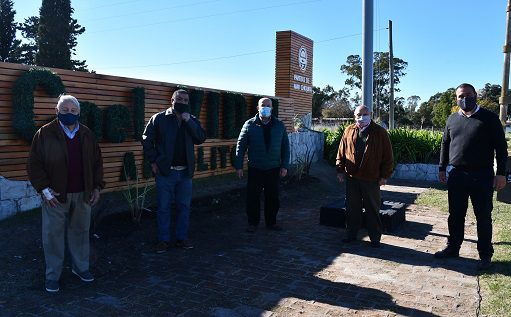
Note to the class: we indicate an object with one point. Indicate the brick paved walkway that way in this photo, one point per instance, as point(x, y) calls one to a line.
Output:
point(302, 271)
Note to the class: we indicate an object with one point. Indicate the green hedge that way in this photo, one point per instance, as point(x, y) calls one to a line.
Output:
point(138, 112)
point(23, 98)
point(117, 121)
point(408, 146)
point(213, 105)
point(196, 98)
point(92, 117)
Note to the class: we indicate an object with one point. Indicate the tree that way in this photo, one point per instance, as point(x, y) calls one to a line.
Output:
point(422, 118)
point(319, 97)
point(490, 92)
point(413, 102)
point(381, 77)
point(443, 105)
point(9, 45)
point(29, 32)
point(52, 37)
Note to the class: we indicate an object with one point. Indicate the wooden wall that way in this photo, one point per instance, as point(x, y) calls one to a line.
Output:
point(105, 90)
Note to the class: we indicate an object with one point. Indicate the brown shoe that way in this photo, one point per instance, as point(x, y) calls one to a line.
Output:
point(162, 247)
point(184, 244)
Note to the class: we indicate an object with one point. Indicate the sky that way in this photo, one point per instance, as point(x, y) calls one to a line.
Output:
point(230, 44)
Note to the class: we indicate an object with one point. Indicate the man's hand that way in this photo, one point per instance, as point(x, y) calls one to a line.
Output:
point(499, 182)
point(283, 172)
point(53, 202)
point(240, 173)
point(382, 181)
point(154, 168)
point(340, 177)
point(94, 197)
point(185, 116)
point(441, 177)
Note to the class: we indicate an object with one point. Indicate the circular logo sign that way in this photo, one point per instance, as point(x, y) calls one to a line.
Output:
point(302, 58)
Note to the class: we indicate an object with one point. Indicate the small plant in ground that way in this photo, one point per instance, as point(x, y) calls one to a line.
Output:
point(135, 195)
point(303, 163)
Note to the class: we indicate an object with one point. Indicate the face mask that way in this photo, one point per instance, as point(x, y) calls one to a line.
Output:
point(467, 104)
point(68, 118)
point(182, 107)
point(265, 112)
point(363, 121)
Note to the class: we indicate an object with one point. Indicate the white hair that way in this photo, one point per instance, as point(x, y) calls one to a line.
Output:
point(68, 99)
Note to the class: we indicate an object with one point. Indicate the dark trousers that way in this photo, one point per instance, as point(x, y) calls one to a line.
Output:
point(257, 181)
point(363, 194)
point(479, 187)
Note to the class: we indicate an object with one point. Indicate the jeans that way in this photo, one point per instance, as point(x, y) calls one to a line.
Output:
point(479, 187)
point(174, 188)
point(257, 180)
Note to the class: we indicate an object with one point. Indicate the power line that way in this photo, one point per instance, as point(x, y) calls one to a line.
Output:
point(206, 16)
point(228, 56)
point(151, 11)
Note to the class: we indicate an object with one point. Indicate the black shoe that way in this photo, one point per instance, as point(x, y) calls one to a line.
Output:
point(484, 264)
point(375, 244)
point(274, 228)
point(348, 240)
point(448, 252)
point(251, 229)
point(51, 286)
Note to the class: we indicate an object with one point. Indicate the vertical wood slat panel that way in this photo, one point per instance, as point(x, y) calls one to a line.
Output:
point(105, 90)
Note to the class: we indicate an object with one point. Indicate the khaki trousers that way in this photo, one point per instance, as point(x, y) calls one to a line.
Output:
point(73, 217)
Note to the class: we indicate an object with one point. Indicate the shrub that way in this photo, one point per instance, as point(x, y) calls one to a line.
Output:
point(408, 146)
point(116, 123)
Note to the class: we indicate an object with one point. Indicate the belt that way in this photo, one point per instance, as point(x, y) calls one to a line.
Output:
point(178, 168)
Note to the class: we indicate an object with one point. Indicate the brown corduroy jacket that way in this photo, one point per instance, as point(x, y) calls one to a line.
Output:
point(48, 160)
point(377, 161)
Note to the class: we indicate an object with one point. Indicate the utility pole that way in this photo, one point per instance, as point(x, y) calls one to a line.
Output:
point(505, 99)
point(367, 54)
point(391, 72)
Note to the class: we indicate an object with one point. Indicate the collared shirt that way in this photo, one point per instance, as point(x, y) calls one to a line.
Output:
point(468, 116)
point(70, 134)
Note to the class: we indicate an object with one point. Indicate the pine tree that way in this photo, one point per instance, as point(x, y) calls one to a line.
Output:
point(9, 45)
point(56, 36)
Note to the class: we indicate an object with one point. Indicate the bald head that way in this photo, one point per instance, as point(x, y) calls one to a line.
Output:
point(361, 110)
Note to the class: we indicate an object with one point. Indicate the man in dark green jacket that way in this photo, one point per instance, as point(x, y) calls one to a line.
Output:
point(265, 138)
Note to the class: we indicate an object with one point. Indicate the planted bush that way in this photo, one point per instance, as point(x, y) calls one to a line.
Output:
point(408, 146)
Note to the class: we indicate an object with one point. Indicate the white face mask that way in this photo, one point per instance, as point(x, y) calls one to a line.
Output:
point(265, 112)
point(363, 120)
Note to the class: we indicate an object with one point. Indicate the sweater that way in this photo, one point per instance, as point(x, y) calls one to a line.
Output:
point(48, 161)
point(471, 143)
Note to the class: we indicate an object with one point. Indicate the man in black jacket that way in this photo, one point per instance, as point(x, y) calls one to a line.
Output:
point(472, 137)
point(168, 142)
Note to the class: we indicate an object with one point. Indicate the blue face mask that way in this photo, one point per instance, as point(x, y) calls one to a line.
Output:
point(68, 118)
point(265, 112)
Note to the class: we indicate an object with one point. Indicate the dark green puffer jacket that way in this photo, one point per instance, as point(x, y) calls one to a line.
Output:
point(252, 138)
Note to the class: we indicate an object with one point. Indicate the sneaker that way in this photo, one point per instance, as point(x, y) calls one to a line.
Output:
point(162, 247)
point(484, 264)
point(448, 252)
point(251, 229)
point(274, 228)
point(51, 286)
point(85, 276)
point(184, 244)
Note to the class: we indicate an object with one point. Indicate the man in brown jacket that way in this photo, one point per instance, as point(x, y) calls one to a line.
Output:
point(365, 161)
point(66, 167)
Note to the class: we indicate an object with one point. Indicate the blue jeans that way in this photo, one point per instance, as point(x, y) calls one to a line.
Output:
point(175, 187)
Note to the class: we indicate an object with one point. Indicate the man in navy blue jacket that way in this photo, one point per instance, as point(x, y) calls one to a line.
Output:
point(473, 136)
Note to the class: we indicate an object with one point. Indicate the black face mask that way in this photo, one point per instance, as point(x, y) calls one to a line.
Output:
point(467, 104)
point(181, 107)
